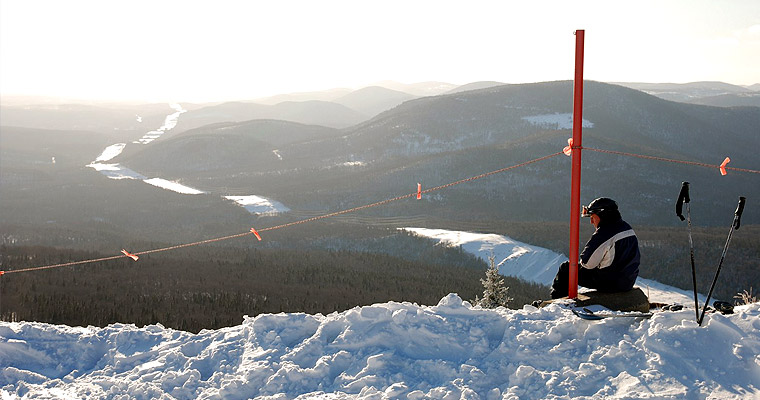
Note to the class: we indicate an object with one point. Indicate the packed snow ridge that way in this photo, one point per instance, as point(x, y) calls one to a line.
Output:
point(394, 351)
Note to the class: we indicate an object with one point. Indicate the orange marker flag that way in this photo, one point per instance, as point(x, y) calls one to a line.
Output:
point(568, 150)
point(256, 233)
point(723, 166)
point(130, 255)
point(419, 191)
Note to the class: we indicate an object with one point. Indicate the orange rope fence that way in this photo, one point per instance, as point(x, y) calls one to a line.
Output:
point(621, 153)
point(135, 255)
point(417, 194)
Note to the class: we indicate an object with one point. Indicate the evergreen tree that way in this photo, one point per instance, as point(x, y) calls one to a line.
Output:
point(494, 293)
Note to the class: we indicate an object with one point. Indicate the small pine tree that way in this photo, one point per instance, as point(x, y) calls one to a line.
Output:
point(494, 293)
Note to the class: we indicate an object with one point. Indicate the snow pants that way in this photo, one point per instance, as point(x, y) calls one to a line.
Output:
point(603, 280)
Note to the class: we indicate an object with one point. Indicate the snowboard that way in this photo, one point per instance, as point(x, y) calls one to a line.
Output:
point(596, 312)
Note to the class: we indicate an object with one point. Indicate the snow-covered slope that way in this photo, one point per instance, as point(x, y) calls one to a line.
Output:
point(514, 258)
point(402, 351)
point(537, 264)
point(394, 351)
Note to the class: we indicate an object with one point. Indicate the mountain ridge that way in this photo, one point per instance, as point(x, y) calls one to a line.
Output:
point(421, 136)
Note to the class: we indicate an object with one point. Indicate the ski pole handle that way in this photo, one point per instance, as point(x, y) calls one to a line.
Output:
point(738, 212)
point(683, 197)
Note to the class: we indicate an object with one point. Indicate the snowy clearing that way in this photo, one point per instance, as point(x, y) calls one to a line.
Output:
point(394, 351)
point(110, 152)
point(556, 121)
point(169, 123)
point(259, 205)
point(116, 171)
point(173, 186)
point(353, 164)
point(521, 260)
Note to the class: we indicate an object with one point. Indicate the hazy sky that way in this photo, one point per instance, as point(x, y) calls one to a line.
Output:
point(189, 50)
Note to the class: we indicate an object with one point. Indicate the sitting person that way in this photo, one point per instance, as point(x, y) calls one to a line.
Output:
point(610, 260)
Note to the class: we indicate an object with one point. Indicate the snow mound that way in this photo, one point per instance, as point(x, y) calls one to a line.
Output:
point(394, 351)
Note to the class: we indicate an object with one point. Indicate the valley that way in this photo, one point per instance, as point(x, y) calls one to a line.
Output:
point(227, 176)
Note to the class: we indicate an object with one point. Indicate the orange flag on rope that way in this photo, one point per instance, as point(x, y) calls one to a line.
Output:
point(130, 255)
point(256, 233)
point(723, 166)
point(419, 191)
point(568, 150)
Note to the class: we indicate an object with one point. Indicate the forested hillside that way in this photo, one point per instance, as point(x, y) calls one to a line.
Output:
point(213, 287)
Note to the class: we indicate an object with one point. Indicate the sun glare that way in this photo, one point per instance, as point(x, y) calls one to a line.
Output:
point(179, 51)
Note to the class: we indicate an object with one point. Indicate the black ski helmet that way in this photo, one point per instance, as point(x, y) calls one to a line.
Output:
point(599, 206)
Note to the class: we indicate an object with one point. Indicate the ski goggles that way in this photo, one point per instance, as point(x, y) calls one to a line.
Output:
point(585, 212)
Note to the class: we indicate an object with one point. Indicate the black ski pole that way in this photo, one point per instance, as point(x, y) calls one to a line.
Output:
point(683, 197)
point(735, 225)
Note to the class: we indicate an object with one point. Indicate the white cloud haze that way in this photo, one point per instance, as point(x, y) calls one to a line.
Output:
point(223, 50)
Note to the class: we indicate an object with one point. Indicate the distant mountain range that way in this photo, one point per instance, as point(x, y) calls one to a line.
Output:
point(314, 112)
point(329, 150)
point(708, 93)
point(474, 86)
point(374, 99)
point(336, 108)
point(439, 139)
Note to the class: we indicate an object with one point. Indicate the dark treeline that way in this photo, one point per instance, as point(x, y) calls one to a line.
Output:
point(212, 287)
point(335, 266)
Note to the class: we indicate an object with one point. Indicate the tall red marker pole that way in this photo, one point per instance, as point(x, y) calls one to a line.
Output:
point(575, 187)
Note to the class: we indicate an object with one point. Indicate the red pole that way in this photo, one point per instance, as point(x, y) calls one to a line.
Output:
point(575, 187)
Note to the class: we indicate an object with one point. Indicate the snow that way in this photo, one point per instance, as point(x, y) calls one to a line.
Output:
point(514, 258)
point(172, 185)
point(259, 205)
point(116, 171)
point(110, 152)
point(400, 351)
point(353, 164)
point(556, 121)
point(169, 123)
point(394, 351)
point(537, 264)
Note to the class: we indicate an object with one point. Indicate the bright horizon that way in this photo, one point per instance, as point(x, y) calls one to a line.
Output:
point(234, 50)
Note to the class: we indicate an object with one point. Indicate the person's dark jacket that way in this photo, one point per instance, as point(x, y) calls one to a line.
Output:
point(612, 253)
